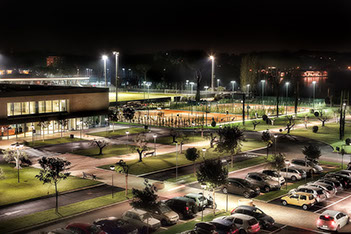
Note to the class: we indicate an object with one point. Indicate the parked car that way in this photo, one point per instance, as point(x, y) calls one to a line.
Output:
point(306, 165)
point(344, 172)
point(141, 219)
point(291, 174)
point(330, 191)
point(84, 228)
point(262, 181)
point(224, 226)
point(302, 172)
point(241, 187)
point(165, 214)
point(318, 193)
point(332, 182)
point(205, 228)
point(201, 201)
point(305, 200)
point(184, 207)
point(343, 179)
point(275, 176)
point(61, 231)
point(265, 220)
point(115, 225)
point(332, 220)
point(242, 221)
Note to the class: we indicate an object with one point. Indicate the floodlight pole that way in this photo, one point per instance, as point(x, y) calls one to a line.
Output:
point(116, 57)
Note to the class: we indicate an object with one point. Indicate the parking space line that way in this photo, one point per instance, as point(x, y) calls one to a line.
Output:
point(332, 204)
point(279, 229)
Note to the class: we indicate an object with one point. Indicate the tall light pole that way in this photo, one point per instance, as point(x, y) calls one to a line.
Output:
point(287, 93)
point(212, 73)
point(275, 143)
point(155, 136)
point(116, 58)
point(104, 58)
point(248, 89)
point(262, 84)
point(127, 132)
point(176, 161)
point(17, 147)
point(233, 85)
point(112, 168)
point(204, 153)
point(206, 88)
point(314, 91)
point(218, 80)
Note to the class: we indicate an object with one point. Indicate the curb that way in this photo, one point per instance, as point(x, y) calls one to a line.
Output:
point(52, 195)
point(33, 228)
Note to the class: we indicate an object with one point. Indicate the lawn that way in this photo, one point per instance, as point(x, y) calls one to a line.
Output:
point(168, 140)
point(178, 228)
point(119, 132)
point(30, 187)
point(54, 141)
point(165, 161)
point(108, 151)
point(130, 96)
point(64, 211)
point(328, 134)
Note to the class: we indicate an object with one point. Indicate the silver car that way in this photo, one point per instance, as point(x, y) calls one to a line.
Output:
point(275, 176)
point(326, 187)
point(318, 193)
point(291, 174)
point(141, 219)
point(306, 165)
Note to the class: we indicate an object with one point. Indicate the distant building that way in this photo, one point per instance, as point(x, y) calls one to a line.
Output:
point(53, 60)
point(317, 76)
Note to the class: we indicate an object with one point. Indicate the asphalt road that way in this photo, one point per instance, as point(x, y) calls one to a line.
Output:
point(29, 207)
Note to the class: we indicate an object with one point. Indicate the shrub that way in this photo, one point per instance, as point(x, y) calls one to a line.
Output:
point(315, 129)
point(348, 141)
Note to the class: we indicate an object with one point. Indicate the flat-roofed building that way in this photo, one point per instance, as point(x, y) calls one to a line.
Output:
point(50, 108)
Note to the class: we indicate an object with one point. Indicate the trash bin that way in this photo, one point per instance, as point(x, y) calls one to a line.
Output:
point(146, 127)
point(71, 136)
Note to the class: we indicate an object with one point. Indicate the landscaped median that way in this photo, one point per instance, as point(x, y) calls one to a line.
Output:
point(29, 187)
point(178, 228)
point(118, 132)
point(328, 167)
point(108, 151)
point(31, 220)
point(54, 141)
point(164, 161)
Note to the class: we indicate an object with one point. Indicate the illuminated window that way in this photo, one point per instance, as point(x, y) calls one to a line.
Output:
point(9, 109)
point(63, 106)
point(41, 106)
point(56, 105)
point(32, 108)
point(17, 108)
point(48, 106)
point(25, 108)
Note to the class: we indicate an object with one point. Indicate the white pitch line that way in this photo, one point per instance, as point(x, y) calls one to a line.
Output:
point(332, 204)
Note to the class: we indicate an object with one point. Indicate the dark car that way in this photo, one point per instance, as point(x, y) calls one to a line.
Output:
point(84, 228)
point(265, 220)
point(205, 228)
point(115, 226)
point(343, 179)
point(261, 180)
point(333, 182)
point(241, 187)
point(185, 207)
point(224, 226)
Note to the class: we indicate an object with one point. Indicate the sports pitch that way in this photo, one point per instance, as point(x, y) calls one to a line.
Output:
point(131, 96)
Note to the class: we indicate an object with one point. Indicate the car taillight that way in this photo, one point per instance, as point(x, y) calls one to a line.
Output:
point(234, 231)
point(319, 222)
point(300, 174)
point(187, 208)
point(232, 211)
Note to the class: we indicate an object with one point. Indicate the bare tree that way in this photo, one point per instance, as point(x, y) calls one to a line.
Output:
point(101, 144)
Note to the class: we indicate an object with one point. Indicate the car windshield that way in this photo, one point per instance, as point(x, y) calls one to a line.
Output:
point(326, 218)
point(320, 192)
point(164, 209)
point(146, 216)
point(265, 177)
point(252, 222)
point(245, 183)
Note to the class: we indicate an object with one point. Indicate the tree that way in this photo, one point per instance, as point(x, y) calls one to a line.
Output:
point(182, 138)
point(255, 123)
point(101, 144)
point(213, 123)
point(212, 139)
point(53, 172)
point(145, 199)
point(277, 162)
point(140, 146)
point(230, 139)
point(123, 167)
point(173, 133)
point(43, 124)
point(192, 154)
point(321, 117)
point(315, 129)
point(290, 124)
point(268, 139)
point(212, 173)
point(311, 152)
point(63, 123)
point(113, 117)
point(10, 155)
point(128, 113)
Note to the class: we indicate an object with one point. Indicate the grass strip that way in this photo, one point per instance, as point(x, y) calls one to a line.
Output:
point(64, 211)
point(53, 141)
point(108, 151)
point(119, 132)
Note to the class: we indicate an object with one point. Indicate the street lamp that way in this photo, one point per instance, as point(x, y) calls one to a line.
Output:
point(33, 131)
point(287, 163)
point(107, 124)
point(233, 82)
point(218, 80)
point(155, 136)
point(314, 91)
point(104, 58)
point(116, 58)
point(192, 86)
point(206, 88)
point(212, 73)
point(204, 152)
point(248, 89)
point(127, 132)
point(176, 160)
point(275, 143)
point(262, 84)
point(112, 168)
point(17, 146)
point(287, 93)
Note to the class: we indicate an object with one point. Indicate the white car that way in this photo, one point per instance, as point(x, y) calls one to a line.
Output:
point(307, 166)
point(243, 221)
point(141, 219)
point(275, 176)
point(330, 191)
point(332, 220)
point(318, 193)
point(291, 174)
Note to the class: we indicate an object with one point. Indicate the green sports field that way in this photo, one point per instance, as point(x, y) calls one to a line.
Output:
point(130, 96)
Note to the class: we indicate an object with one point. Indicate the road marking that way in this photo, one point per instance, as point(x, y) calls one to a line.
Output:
point(11, 213)
point(279, 229)
point(332, 204)
point(175, 188)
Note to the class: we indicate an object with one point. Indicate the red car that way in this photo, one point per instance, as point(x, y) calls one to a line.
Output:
point(84, 228)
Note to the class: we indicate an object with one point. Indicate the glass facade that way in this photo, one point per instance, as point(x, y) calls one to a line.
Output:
point(38, 107)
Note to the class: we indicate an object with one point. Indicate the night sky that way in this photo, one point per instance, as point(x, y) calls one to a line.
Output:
point(146, 27)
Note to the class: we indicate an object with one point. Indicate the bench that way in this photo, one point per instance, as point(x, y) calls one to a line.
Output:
point(86, 175)
point(149, 153)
